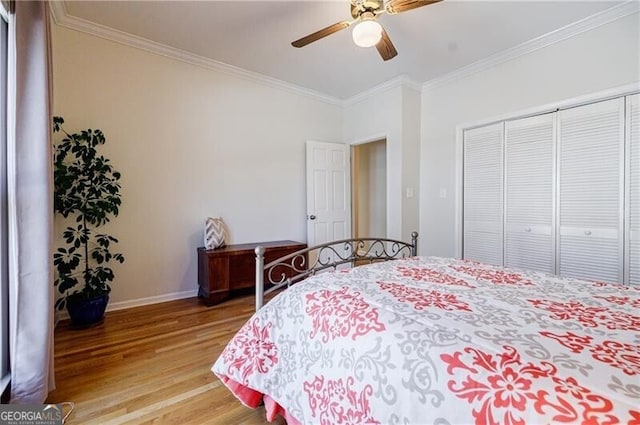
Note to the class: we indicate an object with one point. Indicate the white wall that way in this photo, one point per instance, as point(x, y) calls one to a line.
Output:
point(190, 143)
point(380, 117)
point(411, 161)
point(383, 115)
point(596, 60)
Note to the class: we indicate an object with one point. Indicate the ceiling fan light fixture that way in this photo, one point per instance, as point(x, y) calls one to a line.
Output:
point(367, 33)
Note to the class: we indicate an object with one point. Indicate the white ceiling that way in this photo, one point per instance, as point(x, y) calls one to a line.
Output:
point(256, 35)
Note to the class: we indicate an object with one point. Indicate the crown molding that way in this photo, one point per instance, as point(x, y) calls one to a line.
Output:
point(62, 18)
point(58, 10)
point(412, 84)
point(400, 81)
point(591, 22)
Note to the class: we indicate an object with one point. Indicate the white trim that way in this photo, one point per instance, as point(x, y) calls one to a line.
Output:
point(591, 22)
point(369, 139)
point(458, 205)
point(503, 189)
point(556, 183)
point(555, 193)
point(411, 84)
point(139, 302)
point(400, 81)
point(63, 19)
point(626, 193)
point(622, 173)
point(625, 90)
point(152, 300)
point(58, 11)
point(573, 102)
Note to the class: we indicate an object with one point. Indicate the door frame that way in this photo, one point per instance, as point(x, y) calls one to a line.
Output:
point(354, 195)
point(624, 90)
point(362, 141)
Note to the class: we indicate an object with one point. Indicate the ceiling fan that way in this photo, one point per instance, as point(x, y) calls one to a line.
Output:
point(368, 32)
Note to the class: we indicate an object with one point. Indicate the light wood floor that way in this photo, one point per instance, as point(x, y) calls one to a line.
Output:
point(152, 364)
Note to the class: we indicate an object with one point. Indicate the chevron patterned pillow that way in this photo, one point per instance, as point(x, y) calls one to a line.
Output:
point(215, 233)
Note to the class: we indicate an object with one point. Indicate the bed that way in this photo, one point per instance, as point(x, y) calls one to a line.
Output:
point(427, 340)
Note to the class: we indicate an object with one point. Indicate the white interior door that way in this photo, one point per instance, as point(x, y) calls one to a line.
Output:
point(483, 207)
point(591, 171)
point(328, 192)
point(529, 193)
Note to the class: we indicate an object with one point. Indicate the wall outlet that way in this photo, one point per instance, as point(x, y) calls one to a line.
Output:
point(443, 192)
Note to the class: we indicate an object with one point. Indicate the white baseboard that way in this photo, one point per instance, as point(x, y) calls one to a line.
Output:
point(63, 315)
point(152, 300)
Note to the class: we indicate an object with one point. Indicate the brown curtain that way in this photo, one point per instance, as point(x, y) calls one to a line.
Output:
point(30, 215)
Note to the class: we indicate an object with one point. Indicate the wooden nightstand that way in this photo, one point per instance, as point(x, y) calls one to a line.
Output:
point(224, 271)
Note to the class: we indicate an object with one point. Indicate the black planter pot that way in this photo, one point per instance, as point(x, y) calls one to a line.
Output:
point(86, 312)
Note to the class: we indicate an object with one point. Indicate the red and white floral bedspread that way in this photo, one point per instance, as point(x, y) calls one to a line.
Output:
point(441, 341)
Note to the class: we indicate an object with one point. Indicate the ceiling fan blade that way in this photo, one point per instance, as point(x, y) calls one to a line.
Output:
point(397, 6)
point(385, 47)
point(321, 34)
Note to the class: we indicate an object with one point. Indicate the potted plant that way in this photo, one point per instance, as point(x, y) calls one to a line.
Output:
point(87, 189)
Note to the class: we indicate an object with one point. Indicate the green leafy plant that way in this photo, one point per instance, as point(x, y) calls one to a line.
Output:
point(87, 188)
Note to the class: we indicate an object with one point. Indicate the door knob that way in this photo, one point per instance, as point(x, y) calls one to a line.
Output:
point(312, 217)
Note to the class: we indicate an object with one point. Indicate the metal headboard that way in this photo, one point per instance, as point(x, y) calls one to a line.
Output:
point(301, 264)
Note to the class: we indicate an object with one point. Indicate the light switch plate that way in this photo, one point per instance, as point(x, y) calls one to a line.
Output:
point(410, 192)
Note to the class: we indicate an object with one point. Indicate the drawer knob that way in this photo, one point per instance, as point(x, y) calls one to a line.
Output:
point(587, 232)
point(527, 229)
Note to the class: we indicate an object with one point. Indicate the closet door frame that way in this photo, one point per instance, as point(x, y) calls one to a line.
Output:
point(555, 220)
point(620, 91)
point(627, 190)
point(626, 272)
point(625, 161)
point(625, 193)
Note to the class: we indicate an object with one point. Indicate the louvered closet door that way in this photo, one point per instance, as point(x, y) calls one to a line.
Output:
point(529, 189)
point(483, 194)
point(633, 190)
point(591, 141)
